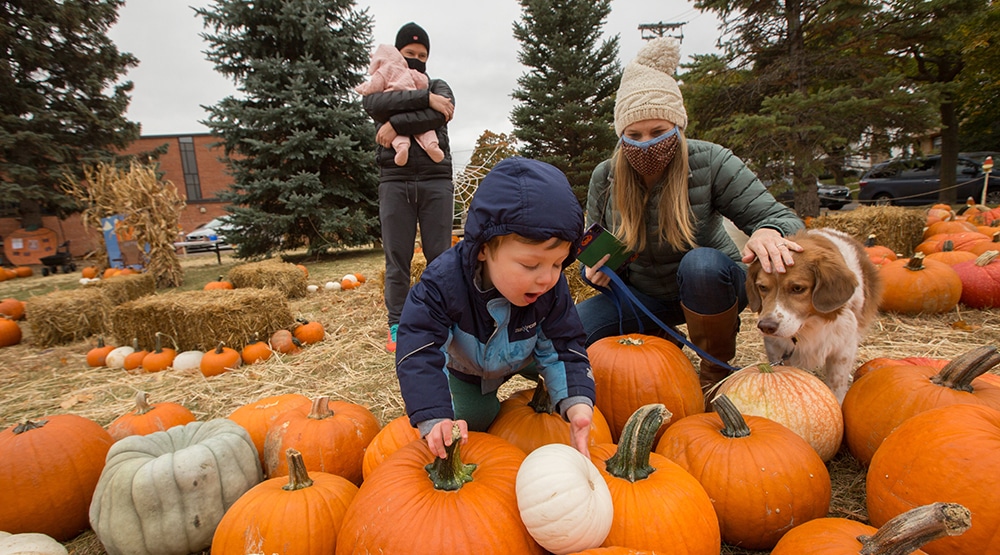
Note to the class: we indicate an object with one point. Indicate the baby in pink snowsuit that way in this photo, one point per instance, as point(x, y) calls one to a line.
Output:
point(390, 72)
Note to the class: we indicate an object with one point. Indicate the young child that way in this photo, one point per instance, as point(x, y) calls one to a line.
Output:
point(495, 305)
point(390, 72)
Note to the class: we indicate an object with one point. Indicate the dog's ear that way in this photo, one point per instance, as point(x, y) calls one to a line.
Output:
point(835, 282)
point(751, 286)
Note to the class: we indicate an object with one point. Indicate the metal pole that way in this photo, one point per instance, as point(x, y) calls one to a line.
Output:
point(987, 168)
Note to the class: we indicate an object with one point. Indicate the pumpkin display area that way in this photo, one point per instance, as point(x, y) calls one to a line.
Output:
point(350, 364)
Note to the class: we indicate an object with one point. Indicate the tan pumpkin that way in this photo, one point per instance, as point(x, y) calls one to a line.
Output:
point(282, 341)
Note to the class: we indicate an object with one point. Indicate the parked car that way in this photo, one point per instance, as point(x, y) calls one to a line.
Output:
point(918, 181)
point(213, 230)
point(833, 197)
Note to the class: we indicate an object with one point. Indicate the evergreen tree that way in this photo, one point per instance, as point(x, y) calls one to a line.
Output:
point(298, 143)
point(61, 107)
point(566, 98)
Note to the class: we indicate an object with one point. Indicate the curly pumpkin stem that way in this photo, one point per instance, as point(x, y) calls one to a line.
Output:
point(540, 401)
point(909, 531)
point(733, 423)
point(142, 403)
point(29, 425)
point(959, 373)
point(298, 478)
point(631, 459)
point(449, 473)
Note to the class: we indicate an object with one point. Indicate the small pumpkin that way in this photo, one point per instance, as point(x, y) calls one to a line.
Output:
point(918, 286)
point(218, 284)
point(23, 271)
point(10, 332)
point(160, 358)
point(133, 360)
point(564, 502)
point(309, 332)
point(30, 543)
point(97, 355)
point(219, 360)
point(116, 358)
point(148, 418)
point(282, 341)
point(12, 308)
point(878, 254)
point(528, 420)
point(188, 360)
point(255, 351)
point(89, 272)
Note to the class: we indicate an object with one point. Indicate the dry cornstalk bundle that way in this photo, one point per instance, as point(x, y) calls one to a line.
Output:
point(270, 274)
point(121, 289)
point(63, 317)
point(900, 229)
point(201, 319)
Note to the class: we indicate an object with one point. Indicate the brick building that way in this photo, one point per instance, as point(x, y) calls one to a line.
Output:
point(191, 163)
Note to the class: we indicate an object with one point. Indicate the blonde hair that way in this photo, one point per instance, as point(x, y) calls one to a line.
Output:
point(630, 196)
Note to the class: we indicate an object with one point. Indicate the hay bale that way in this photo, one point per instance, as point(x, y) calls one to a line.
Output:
point(62, 317)
point(580, 290)
point(900, 229)
point(121, 289)
point(270, 274)
point(200, 319)
point(417, 266)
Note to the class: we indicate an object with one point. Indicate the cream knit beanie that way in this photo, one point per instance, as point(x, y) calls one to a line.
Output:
point(648, 89)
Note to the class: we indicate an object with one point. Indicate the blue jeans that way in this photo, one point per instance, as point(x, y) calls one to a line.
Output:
point(709, 282)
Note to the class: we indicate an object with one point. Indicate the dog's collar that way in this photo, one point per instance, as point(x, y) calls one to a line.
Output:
point(787, 355)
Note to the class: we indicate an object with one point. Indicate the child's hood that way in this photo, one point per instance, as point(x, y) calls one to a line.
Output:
point(527, 197)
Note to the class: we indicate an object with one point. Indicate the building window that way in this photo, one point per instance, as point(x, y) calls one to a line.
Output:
point(189, 163)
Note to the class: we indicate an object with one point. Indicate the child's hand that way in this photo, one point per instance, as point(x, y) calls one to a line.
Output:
point(440, 436)
point(580, 416)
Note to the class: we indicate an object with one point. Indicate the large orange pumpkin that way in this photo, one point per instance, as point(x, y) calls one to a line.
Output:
point(726, 451)
point(49, 469)
point(984, 246)
point(309, 332)
point(882, 362)
point(952, 454)
point(148, 418)
point(882, 400)
point(918, 286)
point(397, 433)
point(901, 535)
point(528, 420)
point(674, 511)
point(301, 514)
point(949, 255)
point(465, 503)
point(961, 240)
point(10, 332)
point(635, 370)
point(257, 416)
point(950, 226)
point(331, 435)
point(12, 308)
point(980, 280)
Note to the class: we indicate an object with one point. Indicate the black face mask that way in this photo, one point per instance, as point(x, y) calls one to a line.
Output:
point(419, 65)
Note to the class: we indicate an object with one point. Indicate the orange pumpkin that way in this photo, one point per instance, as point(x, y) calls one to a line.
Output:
point(309, 332)
point(528, 420)
point(387, 441)
point(986, 216)
point(938, 213)
point(160, 358)
point(878, 254)
point(678, 517)
point(614, 551)
point(218, 284)
point(961, 241)
point(134, 359)
point(12, 308)
point(256, 417)
point(316, 502)
point(302, 267)
point(950, 453)
point(903, 534)
point(918, 286)
point(471, 492)
point(89, 272)
point(23, 271)
point(148, 418)
point(255, 351)
point(725, 452)
point(910, 390)
point(634, 370)
point(882, 362)
point(984, 246)
point(331, 435)
point(219, 360)
point(51, 463)
point(952, 226)
point(10, 332)
point(949, 255)
point(282, 341)
point(96, 355)
point(980, 280)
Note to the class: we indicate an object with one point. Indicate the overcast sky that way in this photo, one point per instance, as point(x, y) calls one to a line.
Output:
point(472, 48)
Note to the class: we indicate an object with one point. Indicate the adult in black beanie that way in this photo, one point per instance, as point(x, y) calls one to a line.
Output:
point(421, 191)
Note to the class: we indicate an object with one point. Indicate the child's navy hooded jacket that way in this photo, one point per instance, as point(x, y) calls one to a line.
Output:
point(449, 324)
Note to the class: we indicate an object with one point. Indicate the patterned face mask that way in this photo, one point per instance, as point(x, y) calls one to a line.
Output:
point(653, 156)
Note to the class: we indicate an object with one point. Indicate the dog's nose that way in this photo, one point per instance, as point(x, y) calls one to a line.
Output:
point(768, 326)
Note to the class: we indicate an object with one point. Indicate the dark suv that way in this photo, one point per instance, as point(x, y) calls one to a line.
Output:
point(918, 181)
point(833, 197)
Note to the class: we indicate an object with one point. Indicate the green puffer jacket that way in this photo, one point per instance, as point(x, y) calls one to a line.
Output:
point(720, 184)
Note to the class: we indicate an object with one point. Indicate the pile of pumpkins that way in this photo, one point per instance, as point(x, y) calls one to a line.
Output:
point(210, 363)
point(957, 261)
point(11, 310)
point(297, 475)
point(15, 272)
point(346, 283)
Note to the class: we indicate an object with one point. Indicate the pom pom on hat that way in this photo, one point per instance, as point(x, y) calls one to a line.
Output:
point(411, 33)
point(648, 89)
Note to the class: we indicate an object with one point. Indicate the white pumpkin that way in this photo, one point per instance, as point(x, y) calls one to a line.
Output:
point(333, 286)
point(30, 544)
point(116, 358)
point(564, 501)
point(351, 277)
point(312, 288)
point(165, 493)
point(188, 360)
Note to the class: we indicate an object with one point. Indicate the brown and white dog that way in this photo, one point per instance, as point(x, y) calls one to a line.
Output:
point(815, 314)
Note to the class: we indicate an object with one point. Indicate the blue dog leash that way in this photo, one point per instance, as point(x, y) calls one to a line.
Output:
point(620, 294)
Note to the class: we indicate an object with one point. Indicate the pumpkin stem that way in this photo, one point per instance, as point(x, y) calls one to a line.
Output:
point(916, 262)
point(765, 368)
point(986, 258)
point(631, 459)
point(159, 344)
point(298, 478)
point(907, 532)
point(629, 340)
point(959, 373)
point(540, 401)
point(948, 246)
point(28, 425)
point(320, 408)
point(218, 348)
point(870, 240)
point(449, 473)
point(142, 403)
point(733, 423)
point(100, 341)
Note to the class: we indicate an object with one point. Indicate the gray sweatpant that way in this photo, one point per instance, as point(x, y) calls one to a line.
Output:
point(402, 205)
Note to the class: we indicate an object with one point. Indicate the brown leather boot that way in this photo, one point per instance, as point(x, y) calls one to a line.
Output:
point(716, 335)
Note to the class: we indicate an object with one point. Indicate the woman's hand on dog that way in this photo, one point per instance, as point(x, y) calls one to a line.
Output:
point(773, 250)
